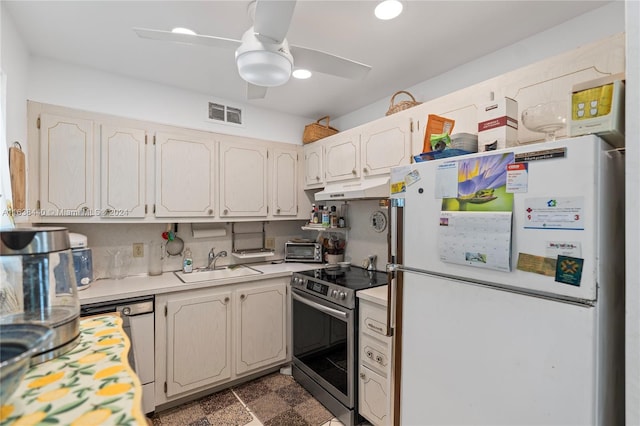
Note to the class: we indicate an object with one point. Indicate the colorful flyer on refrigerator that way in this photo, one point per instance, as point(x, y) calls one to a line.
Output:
point(517, 178)
point(482, 240)
point(481, 185)
point(554, 213)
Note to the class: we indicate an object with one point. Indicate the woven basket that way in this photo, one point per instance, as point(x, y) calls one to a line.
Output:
point(402, 105)
point(315, 131)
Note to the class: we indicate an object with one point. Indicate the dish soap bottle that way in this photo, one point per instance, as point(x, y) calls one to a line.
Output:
point(187, 262)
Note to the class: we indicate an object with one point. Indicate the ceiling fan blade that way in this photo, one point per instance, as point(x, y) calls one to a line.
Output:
point(225, 43)
point(316, 60)
point(272, 19)
point(256, 92)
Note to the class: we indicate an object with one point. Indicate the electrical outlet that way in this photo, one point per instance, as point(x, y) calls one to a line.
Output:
point(138, 250)
point(270, 243)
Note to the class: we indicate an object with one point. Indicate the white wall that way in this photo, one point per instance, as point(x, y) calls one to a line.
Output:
point(595, 25)
point(58, 83)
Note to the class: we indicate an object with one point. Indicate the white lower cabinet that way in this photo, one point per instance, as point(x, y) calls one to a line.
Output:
point(374, 370)
point(212, 336)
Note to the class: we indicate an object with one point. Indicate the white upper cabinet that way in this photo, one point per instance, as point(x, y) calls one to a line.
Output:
point(67, 166)
point(243, 180)
point(185, 175)
point(313, 165)
point(385, 144)
point(123, 183)
point(284, 188)
point(342, 156)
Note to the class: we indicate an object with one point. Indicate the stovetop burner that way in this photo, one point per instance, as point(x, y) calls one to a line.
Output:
point(337, 285)
point(353, 278)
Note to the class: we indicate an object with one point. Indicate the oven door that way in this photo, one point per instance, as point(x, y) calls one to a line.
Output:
point(323, 344)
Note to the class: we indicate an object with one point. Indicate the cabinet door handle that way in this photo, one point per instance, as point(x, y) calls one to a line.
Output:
point(226, 300)
point(210, 211)
point(363, 376)
point(225, 211)
point(317, 177)
point(278, 211)
point(365, 170)
point(353, 172)
point(242, 297)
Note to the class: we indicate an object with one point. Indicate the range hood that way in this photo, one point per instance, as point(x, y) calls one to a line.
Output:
point(373, 188)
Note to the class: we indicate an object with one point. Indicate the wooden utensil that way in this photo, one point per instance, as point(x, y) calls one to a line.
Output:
point(18, 176)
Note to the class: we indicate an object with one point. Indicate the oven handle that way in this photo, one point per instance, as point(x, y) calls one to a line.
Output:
point(330, 311)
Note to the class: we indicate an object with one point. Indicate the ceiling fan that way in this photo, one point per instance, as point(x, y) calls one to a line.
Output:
point(263, 56)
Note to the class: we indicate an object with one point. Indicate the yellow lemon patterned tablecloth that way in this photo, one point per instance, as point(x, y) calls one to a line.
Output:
point(92, 384)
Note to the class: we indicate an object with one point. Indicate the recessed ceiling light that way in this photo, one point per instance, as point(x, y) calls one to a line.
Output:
point(388, 9)
point(301, 74)
point(180, 30)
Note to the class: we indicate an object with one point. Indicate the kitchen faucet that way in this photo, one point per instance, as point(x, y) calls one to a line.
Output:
point(213, 257)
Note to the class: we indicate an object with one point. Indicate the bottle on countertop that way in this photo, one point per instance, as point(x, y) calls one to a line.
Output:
point(333, 217)
point(313, 212)
point(325, 217)
point(187, 262)
point(316, 216)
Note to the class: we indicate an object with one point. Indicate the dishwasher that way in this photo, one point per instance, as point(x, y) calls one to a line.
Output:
point(138, 323)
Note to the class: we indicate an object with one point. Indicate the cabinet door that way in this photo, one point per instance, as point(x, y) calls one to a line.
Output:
point(123, 172)
point(261, 327)
point(243, 180)
point(386, 143)
point(342, 157)
point(374, 397)
point(66, 166)
point(198, 341)
point(285, 187)
point(185, 176)
point(313, 165)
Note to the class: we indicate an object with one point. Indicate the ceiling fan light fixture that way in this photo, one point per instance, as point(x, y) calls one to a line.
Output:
point(264, 68)
point(388, 9)
point(181, 30)
point(301, 74)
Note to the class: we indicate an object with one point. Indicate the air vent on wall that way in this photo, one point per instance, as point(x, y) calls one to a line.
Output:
point(224, 113)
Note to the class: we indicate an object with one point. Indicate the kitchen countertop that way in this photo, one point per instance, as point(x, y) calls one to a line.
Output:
point(106, 290)
point(90, 384)
point(376, 295)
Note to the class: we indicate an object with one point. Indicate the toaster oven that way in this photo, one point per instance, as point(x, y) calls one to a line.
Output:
point(302, 252)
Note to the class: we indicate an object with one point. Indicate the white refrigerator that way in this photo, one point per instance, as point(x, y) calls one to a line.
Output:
point(508, 287)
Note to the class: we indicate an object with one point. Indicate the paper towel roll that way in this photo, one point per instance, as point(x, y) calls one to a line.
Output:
point(206, 231)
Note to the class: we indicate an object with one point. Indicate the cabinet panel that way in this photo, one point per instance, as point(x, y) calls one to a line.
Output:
point(285, 183)
point(243, 180)
point(261, 338)
point(374, 397)
point(313, 165)
point(67, 166)
point(342, 157)
point(123, 172)
point(185, 176)
point(198, 341)
point(385, 144)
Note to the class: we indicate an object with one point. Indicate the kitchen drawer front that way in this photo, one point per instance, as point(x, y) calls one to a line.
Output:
point(373, 320)
point(375, 355)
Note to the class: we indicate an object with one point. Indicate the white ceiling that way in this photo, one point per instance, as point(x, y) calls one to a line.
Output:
point(429, 38)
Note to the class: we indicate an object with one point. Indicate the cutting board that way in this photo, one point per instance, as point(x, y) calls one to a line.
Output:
point(18, 177)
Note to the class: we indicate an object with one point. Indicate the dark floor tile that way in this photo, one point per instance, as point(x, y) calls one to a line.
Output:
point(201, 422)
point(288, 418)
point(250, 391)
point(276, 380)
point(217, 401)
point(294, 394)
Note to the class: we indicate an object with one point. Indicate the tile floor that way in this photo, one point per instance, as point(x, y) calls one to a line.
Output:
point(274, 399)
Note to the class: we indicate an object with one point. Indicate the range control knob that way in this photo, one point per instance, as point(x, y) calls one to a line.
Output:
point(334, 293)
point(343, 295)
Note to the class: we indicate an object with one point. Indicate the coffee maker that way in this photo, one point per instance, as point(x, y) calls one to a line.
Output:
point(38, 285)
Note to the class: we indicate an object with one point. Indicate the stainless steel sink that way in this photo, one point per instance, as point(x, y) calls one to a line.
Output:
point(200, 275)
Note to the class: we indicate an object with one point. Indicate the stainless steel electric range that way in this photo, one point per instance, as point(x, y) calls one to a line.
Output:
point(325, 322)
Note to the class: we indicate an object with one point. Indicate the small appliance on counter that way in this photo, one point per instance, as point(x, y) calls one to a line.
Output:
point(82, 260)
point(38, 285)
point(303, 251)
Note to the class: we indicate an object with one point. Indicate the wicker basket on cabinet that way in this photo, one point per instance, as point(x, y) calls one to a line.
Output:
point(316, 131)
point(402, 105)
